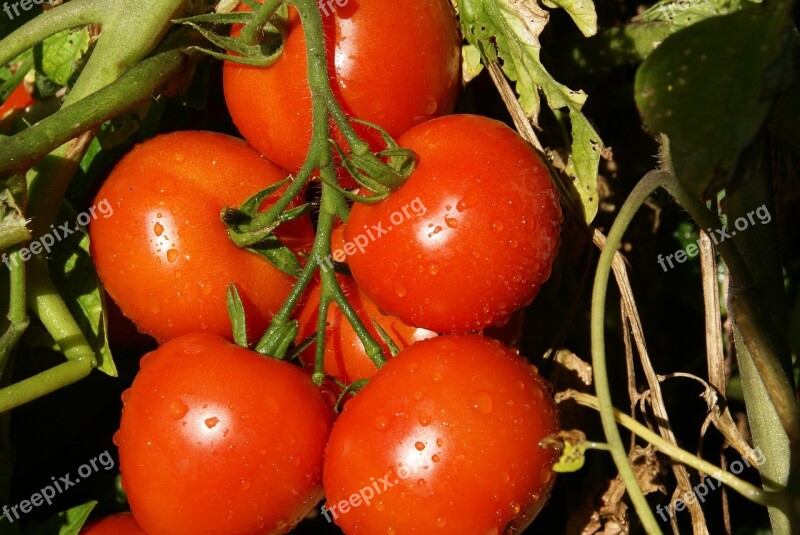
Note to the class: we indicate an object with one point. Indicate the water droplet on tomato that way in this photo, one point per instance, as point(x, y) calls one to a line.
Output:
point(470, 200)
point(126, 395)
point(155, 308)
point(433, 269)
point(497, 226)
point(451, 222)
point(441, 522)
point(431, 106)
point(419, 445)
point(435, 458)
point(172, 255)
point(515, 508)
point(211, 422)
point(116, 439)
point(178, 409)
point(482, 403)
point(400, 290)
point(513, 244)
point(439, 442)
point(381, 423)
point(158, 228)
point(436, 377)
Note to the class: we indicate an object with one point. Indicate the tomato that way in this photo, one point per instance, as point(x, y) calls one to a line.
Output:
point(163, 253)
point(393, 63)
point(345, 357)
point(119, 524)
point(218, 439)
point(17, 100)
point(469, 238)
point(444, 439)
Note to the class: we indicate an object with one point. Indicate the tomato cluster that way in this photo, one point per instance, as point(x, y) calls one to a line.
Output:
point(444, 438)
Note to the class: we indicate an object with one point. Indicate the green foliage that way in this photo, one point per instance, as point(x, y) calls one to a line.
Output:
point(507, 31)
point(59, 56)
point(73, 272)
point(715, 80)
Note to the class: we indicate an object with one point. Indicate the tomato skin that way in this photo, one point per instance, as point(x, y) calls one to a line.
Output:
point(119, 524)
point(165, 256)
point(418, 39)
point(345, 357)
point(217, 439)
point(452, 424)
point(18, 99)
point(486, 238)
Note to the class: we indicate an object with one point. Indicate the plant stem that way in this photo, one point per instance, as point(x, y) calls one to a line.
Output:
point(760, 252)
point(749, 491)
point(17, 308)
point(252, 30)
point(320, 156)
point(643, 189)
point(73, 14)
point(138, 85)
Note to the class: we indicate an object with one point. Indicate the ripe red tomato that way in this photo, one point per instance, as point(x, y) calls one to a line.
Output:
point(165, 256)
point(345, 357)
point(218, 439)
point(444, 439)
point(469, 238)
point(119, 524)
point(17, 100)
point(393, 63)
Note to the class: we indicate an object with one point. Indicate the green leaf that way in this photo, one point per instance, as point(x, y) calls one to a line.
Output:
point(73, 272)
point(471, 62)
point(236, 315)
point(581, 11)
point(69, 522)
point(58, 56)
point(278, 255)
point(13, 225)
point(508, 30)
point(715, 80)
point(683, 13)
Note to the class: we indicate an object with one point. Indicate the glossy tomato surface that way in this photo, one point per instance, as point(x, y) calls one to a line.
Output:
point(345, 357)
point(17, 100)
point(119, 524)
point(469, 238)
point(218, 439)
point(444, 439)
point(393, 63)
point(161, 249)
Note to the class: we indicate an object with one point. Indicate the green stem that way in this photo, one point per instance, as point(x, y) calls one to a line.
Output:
point(320, 156)
point(45, 383)
point(640, 193)
point(18, 152)
point(252, 30)
point(73, 14)
point(749, 491)
point(17, 309)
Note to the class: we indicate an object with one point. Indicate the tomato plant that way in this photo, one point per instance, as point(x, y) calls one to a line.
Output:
point(215, 438)
point(164, 255)
point(391, 64)
point(445, 415)
point(485, 236)
point(361, 208)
